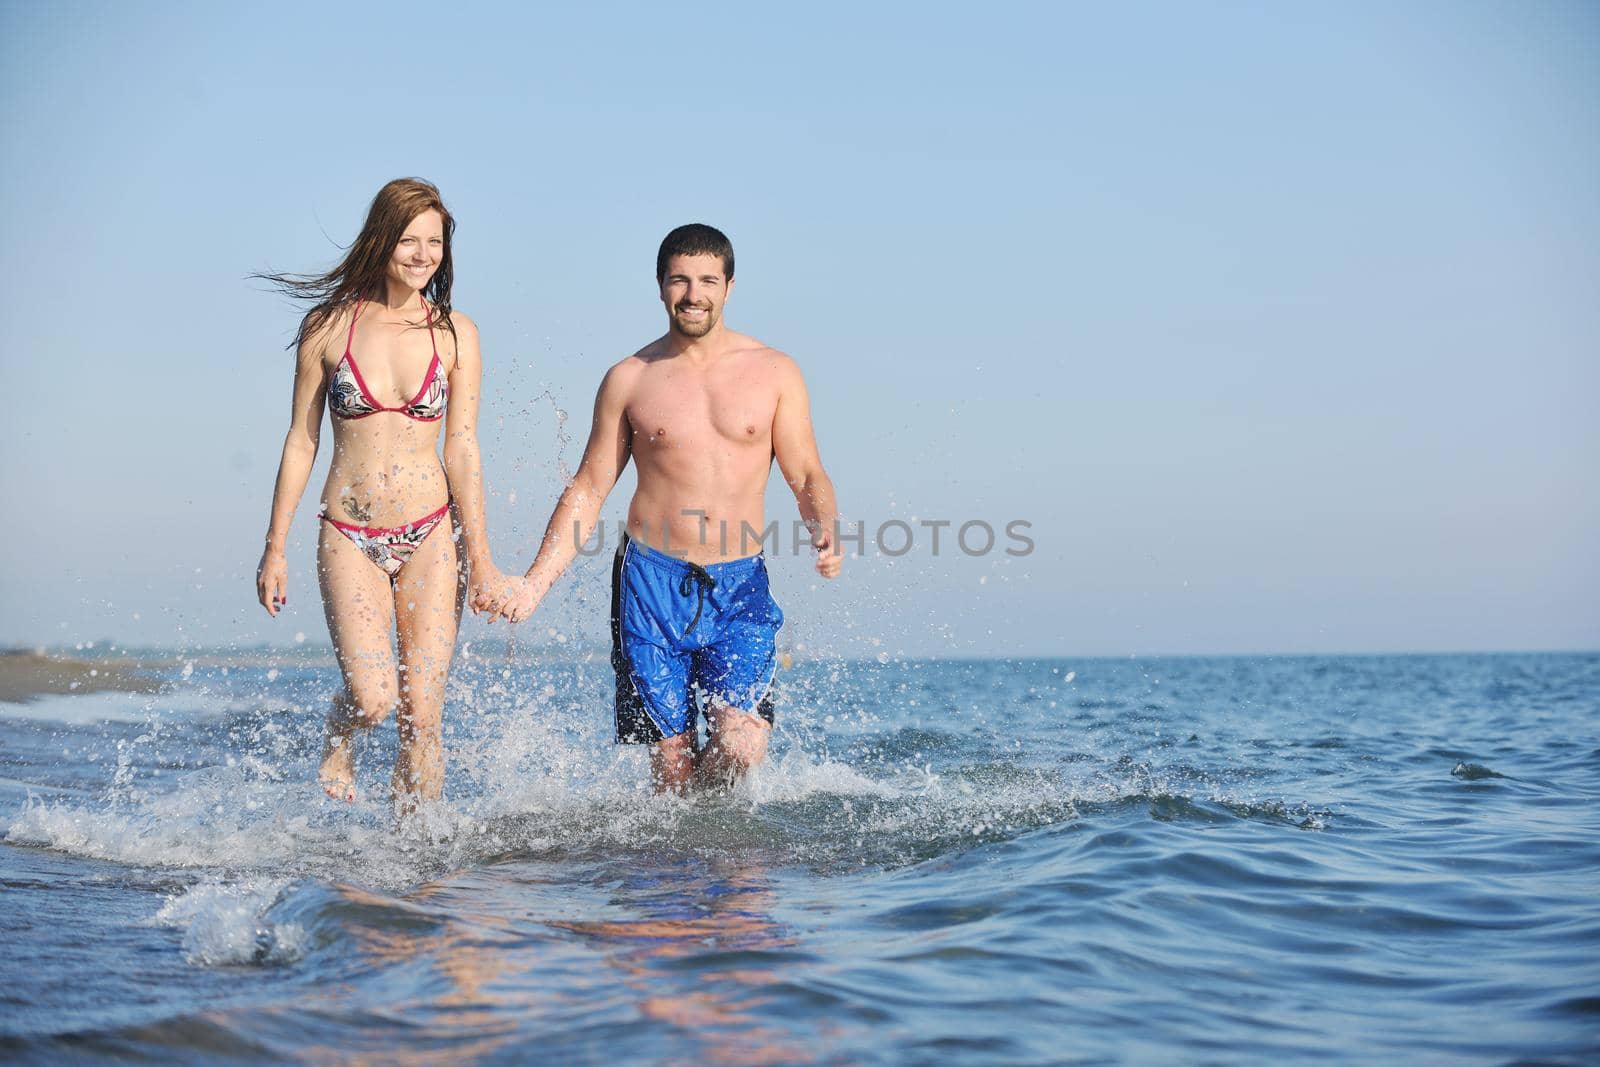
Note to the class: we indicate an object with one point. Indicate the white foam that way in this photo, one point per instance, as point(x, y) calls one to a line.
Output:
point(227, 818)
point(183, 700)
point(262, 813)
point(228, 923)
point(540, 773)
point(797, 775)
point(83, 709)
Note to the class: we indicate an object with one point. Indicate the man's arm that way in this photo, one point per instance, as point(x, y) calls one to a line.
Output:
point(794, 443)
point(573, 520)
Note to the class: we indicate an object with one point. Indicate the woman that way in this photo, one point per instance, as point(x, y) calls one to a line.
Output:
point(382, 346)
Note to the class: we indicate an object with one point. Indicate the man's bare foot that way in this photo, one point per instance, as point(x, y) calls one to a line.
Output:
point(337, 774)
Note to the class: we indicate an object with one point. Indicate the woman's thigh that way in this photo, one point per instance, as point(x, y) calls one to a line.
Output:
point(428, 598)
point(359, 605)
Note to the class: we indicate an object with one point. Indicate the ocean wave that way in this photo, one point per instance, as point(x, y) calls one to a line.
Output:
point(231, 923)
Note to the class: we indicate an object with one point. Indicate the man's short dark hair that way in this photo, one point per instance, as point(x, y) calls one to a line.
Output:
point(695, 239)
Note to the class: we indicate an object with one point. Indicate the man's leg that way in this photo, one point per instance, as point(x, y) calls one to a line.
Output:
point(737, 672)
point(653, 704)
point(672, 763)
point(737, 743)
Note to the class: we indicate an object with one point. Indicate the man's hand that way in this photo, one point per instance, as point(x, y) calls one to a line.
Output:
point(272, 581)
point(488, 588)
point(829, 558)
point(521, 604)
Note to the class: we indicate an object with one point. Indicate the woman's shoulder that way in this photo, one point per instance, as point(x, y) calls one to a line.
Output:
point(325, 339)
point(465, 339)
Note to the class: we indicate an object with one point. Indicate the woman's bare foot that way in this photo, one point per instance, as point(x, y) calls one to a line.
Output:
point(337, 773)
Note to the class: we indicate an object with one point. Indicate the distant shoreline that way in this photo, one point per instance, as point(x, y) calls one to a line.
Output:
point(29, 673)
point(25, 676)
point(160, 659)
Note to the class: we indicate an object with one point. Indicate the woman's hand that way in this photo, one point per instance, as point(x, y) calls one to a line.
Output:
point(272, 581)
point(488, 588)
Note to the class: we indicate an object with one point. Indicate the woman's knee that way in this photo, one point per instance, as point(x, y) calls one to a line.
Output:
point(368, 704)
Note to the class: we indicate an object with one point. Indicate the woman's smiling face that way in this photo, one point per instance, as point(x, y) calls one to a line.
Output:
point(416, 256)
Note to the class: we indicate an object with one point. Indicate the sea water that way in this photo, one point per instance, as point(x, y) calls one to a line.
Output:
point(1345, 859)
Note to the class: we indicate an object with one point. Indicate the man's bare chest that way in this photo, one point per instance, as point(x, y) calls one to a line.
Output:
point(687, 411)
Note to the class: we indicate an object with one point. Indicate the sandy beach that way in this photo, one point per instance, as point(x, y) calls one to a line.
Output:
point(25, 675)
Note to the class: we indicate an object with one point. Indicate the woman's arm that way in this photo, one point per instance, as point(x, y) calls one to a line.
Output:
point(463, 466)
point(294, 469)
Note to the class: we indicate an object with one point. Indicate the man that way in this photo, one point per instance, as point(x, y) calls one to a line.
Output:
point(702, 411)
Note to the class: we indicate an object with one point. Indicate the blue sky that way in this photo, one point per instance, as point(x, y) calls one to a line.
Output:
point(1276, 322)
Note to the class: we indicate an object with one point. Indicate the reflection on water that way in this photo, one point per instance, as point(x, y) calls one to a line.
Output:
point(455, 977)
point(688, 948)
point(712, 918)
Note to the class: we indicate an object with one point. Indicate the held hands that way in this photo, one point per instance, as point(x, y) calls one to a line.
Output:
point(272, 581)
point(521, 604)
point(829, 558)
point(489, 588)
point(500, 596)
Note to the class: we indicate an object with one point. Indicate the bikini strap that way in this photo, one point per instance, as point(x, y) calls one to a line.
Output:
point(351, 339)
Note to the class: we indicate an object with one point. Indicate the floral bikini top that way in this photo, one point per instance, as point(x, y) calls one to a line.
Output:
point(349, 398)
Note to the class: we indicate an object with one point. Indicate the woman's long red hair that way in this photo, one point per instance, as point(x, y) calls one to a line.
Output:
point(360, 275)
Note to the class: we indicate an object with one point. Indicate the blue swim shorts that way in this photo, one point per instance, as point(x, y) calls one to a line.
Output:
point(681, 631)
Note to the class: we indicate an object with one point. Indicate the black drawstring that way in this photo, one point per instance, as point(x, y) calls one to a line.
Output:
point(702, 583)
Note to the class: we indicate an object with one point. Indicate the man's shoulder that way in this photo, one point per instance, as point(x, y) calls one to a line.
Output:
point(758, 352)
point(622, 374)
point(653, 352)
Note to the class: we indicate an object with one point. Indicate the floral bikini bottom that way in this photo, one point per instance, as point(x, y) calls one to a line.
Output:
point(389, 547)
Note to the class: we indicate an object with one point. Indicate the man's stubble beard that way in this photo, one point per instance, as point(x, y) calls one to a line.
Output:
point(694, 329)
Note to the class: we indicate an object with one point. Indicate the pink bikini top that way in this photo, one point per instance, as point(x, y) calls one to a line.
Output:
point(349, 398)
